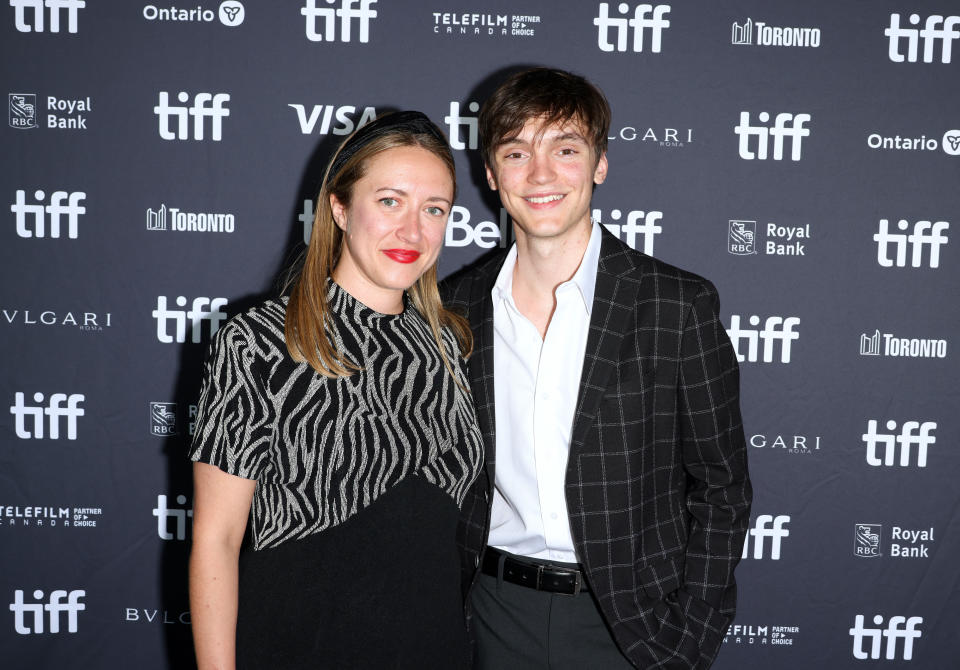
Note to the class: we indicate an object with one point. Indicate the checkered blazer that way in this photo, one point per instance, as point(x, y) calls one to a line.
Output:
point(657, 489)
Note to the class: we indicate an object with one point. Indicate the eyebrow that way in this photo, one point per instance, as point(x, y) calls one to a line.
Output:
point(400, 191)
point(562, 137)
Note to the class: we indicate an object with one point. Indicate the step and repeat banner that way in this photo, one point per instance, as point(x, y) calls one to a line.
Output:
point(159, 167)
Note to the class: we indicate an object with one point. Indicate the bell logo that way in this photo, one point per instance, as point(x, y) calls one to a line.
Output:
point(36, 7)
point(912, 432)
point(164, 514)
point(775, 328)
point(795, 131)
point(200, 110)
point(486, 234)
point(72, 607)
point(936, 28)
point(204, 309)
point(55, 409)
point(454, 121)
point(62, 203)
point(776, 533)
point(327, 18)
point(639, 22)
point(909, 632)
point(925, 234)
point(638, 224)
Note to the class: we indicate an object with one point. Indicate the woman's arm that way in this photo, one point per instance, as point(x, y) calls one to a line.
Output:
point(221, 506)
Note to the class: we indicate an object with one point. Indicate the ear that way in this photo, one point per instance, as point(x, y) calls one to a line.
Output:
point(491, 178)
point(600, 172)
point(339, 212)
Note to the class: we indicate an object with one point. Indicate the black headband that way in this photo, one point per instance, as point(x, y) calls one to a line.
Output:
point(409, 121)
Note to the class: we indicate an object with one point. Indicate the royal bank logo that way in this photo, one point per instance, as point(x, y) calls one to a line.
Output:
point(761, 635)
point(175, 219)
point(180, 515)
point(887, 344)
point(29, 617)
point(937, 29)
point(776, 329)
point(631, 28)
point(773, 36)
point(785, 126)
point(925, 235)
point(173, 121)
point(898, 628)
point(766, 526)
point(866, 540)
point(913, 434)
point(231, 13)
point(38, 16)
point(23, 110)
point(322, 22)
point(742, 237)
point(332, 119)
point(166, 419)
point(636, 227)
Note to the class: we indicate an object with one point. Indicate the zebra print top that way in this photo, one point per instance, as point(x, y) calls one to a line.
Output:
point(323, 449)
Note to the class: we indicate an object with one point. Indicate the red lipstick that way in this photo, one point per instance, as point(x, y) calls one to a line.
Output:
point(402, 255)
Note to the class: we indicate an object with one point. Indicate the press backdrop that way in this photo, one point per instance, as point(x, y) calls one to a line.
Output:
point(159, 165)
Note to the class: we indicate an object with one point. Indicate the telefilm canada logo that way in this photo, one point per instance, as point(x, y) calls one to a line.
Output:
point(759, 33)
point(61, 113)
point(230, 13)
point(174, 219)
point(482, 23)
point(888, 344)
point(761, 635)
point(780, 240)
point(37, 16)
point(48, 516)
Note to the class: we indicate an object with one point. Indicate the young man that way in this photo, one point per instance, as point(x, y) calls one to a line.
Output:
point(605, 529)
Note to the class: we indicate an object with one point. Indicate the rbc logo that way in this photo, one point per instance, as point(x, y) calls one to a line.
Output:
point(638, 223)
point(866, 540)
point(775, 328)
point(54, 607)
point(61, 203)
point(796, 132)
point(924, 234)
point(71, 7)
point(164, 514)
point(203, 309)
point(893, 632)
point(907, 437)
point(54, 409)
point(776, 533)
point(347, 12)
point(454, 121)
point(946, 34)
point(639, 22)
point(199, 111)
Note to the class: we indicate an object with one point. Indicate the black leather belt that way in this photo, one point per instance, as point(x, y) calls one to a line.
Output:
point(552, 578)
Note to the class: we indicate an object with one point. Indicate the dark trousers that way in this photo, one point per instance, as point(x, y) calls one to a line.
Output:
point(519, 628)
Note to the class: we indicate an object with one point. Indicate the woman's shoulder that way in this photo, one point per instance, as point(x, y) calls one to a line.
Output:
point(261, 325)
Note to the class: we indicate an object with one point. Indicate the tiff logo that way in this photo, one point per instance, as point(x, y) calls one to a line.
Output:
point(62, 203)
point(54, 607)
point(346, 12)
point(454, 121)
point(907, 437)
point(775, 328)
point(776, 533)
point(54, 409)
point(640, 21)
point(199, 111)
point(71, 7)
point(203, 309)
point(638, 224)
point(795, 131)
point(946, 33)
point(893, 632)
point(924, 234)
point(164, 514)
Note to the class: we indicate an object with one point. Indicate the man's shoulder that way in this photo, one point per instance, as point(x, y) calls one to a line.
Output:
point(654, 275)
point(472, 282)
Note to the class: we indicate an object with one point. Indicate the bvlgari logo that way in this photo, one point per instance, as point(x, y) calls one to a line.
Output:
point(81, 320)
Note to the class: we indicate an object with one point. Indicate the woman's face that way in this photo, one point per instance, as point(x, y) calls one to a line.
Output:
point(394, 226)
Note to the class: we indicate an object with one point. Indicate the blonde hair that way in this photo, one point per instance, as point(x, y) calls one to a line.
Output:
point(309, 324)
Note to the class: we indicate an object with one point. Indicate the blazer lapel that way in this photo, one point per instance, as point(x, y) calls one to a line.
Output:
point(613, 304)
point(481, 363)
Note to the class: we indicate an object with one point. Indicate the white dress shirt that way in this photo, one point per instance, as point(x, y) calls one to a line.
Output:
point(536, 383)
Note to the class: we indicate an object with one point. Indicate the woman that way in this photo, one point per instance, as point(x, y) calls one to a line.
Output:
point(341, 417)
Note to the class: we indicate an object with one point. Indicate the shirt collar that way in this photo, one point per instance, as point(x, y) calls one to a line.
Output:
point(585, 278)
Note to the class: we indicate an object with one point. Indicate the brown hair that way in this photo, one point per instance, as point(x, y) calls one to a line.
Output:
point(555, 96)
point(309, 323)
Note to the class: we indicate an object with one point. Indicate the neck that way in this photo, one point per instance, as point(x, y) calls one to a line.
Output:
point(545, 263)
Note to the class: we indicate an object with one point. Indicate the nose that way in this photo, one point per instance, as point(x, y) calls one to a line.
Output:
point(409, 229)
point(541, 170)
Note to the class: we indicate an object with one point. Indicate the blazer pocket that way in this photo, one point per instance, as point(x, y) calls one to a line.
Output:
point(632, 384)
